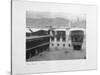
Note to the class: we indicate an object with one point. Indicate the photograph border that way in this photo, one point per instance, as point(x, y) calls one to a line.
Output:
point(12, 64)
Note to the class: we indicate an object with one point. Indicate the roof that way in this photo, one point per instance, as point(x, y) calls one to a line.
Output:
point(72, 29)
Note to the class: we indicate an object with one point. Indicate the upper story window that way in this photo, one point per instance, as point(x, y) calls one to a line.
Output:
point(63, 45)
point(61, 33)
point(63, 39)
point(58, 38)
point(52, 38)
point(77, 36)
point(53, 32)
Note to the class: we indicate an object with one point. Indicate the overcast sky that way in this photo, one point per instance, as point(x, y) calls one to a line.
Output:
point(55, 19)
point(31, 14)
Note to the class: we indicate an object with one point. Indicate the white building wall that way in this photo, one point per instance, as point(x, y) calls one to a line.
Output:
point(55, 42)
point(67, 42)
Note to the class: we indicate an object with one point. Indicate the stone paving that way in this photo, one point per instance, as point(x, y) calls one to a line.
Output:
point(59, 54)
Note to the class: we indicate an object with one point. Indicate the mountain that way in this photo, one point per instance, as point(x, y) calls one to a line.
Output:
point(57, 22)
point(45, 22)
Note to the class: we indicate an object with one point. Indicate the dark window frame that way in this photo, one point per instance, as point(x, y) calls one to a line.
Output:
point(58, 44)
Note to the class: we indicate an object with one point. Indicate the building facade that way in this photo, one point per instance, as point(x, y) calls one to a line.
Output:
point(60, 38)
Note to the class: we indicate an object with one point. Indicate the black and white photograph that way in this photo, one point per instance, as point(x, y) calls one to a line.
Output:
point(55, 36)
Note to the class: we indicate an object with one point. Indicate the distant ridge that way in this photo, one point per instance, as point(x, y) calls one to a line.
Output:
point(57, 22)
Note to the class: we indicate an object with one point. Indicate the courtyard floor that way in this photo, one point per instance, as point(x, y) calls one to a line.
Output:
point(59, 54)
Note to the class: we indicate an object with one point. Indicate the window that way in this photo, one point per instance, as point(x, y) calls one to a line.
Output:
point(57, 44)
point(52, 44)
point(77, 36)
point(64, 39)
point(69, 45)
point(52, 38)
point(63, 45)
point(61, 35)
point(53, 32)
point(58, 38)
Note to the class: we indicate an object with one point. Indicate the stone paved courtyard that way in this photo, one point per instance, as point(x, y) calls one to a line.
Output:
point(59, 54)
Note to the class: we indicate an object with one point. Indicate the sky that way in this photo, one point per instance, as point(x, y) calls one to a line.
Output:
point(31, 14)
point(55, 19)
